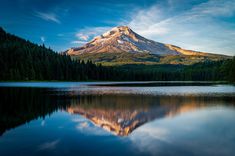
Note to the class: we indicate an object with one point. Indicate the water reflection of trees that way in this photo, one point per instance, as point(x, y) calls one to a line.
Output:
point(21, 105)
point(120, 114)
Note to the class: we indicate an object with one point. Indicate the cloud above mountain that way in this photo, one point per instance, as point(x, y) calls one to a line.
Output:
point(48, 17)
point(199, 27)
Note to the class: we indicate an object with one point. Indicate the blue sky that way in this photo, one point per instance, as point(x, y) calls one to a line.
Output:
point(203, 25)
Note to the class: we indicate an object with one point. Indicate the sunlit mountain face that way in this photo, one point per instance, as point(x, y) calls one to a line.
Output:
point(121, 45)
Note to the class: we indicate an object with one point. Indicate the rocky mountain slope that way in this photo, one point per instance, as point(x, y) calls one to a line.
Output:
point(113, 45)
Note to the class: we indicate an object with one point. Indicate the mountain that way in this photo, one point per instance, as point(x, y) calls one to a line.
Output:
point(123, 39)
point(123, 45)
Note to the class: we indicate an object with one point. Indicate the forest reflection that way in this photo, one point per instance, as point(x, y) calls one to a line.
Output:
point(118, 114)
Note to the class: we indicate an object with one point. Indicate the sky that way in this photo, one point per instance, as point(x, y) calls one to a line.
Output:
point(202, 25)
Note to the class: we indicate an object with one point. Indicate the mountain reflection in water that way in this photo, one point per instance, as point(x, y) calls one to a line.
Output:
point(119, 114)
point(123, 114)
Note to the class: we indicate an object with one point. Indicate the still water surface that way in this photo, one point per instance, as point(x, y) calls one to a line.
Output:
point(131, 118)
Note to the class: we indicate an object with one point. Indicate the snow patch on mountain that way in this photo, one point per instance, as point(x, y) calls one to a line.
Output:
point(123, 39)
point(120, 42)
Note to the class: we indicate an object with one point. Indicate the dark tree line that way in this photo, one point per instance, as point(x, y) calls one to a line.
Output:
point(206, 71)
point(228, 70)
point(23, 60)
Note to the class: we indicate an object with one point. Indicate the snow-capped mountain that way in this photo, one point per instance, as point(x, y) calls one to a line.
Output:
point(123, 39)
point(123, 46)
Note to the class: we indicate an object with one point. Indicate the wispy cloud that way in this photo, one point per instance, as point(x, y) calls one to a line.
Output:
point(82, 36)
point(43, 123)
point(149, 138)
point(215, 8)
point(82, 125)
point(197, 28)
point(49, 145)
point(88, 128)
point(88, 33)
point(42, 38)
point(78, 42)
point(145, 19)
point(48, 16)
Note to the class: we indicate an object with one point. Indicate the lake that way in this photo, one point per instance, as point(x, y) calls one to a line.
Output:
point(117, 118)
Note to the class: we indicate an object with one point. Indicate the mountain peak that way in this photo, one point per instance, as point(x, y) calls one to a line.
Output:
point(122, 29)
point(123, 39)
point(117, 31)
